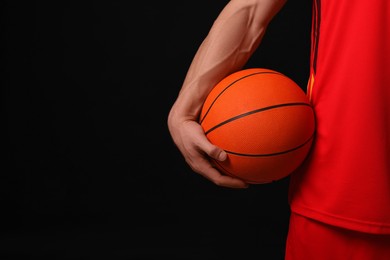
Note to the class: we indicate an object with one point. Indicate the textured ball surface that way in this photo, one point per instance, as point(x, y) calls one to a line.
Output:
point(263, 120)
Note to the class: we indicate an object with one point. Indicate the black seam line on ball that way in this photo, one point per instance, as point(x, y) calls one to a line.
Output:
point(231, 84)
point(272, 154)
point(254, 112)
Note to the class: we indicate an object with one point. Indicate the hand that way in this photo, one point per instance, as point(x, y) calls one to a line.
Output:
point(190, 139)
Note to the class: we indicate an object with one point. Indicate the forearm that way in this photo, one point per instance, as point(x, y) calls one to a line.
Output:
point(234, 36)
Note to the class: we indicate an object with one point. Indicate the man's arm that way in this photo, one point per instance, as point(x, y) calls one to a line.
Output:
point(232, 39)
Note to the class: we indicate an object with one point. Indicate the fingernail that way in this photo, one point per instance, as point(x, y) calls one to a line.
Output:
point(222, 156)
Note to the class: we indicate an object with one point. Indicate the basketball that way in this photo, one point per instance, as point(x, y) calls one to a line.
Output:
point(263, 120)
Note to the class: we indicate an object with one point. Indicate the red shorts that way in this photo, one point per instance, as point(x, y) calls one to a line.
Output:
point(308, 239)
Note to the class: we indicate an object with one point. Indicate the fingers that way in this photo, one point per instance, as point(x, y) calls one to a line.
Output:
point(224, 180)
point(214, 152)
point(199, 153)
point(204, 166)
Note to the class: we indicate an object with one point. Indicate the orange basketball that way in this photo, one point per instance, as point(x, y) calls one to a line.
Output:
point(263, 120)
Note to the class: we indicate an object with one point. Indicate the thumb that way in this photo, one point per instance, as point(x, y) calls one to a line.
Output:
point(216, 153)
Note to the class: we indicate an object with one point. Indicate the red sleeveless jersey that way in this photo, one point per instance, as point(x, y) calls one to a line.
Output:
point(345, 180)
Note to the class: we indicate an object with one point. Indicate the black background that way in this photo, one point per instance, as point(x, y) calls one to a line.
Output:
point(89, 170)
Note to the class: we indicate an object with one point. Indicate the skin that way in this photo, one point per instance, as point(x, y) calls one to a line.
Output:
point(234, 36)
